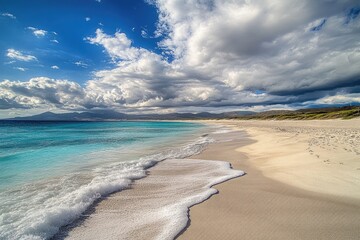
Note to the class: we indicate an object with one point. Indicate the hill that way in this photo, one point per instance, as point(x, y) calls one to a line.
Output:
point(307, 114)
point(110, 115)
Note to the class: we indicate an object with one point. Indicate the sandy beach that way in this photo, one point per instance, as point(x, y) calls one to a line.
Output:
point(171, 119)
point(302, 182)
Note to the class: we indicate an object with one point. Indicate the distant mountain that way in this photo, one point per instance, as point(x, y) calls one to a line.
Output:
point(238, 114)
point(74, 116)
point(108, 115)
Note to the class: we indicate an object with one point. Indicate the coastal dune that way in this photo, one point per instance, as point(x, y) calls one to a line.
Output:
point(301, 182)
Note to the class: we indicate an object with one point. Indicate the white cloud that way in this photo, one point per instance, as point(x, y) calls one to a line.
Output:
point(38, 32)
point(118, 46)
point(40, 92)
point(261, 44)
point(54, 41)
point(230, 54)
point(340, 98)
point(14, 54)
point(215, 48)
point(144, 34)
point(55, 67)
point(87, 19)
point(81, 64)
point(8, 15)
point(21, 69)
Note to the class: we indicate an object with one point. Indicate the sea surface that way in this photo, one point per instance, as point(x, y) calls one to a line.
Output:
point(51, 172)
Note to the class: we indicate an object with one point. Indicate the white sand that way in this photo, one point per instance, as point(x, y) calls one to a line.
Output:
point(320, 156)
point(302, 182)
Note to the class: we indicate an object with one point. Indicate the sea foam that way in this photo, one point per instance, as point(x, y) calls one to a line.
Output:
point(191, 191)
point(38, 210)
point(157, 208)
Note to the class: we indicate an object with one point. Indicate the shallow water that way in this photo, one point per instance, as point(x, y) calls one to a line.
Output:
point(51, 172)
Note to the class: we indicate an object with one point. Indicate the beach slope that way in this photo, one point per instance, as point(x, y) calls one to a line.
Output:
point(301, 182)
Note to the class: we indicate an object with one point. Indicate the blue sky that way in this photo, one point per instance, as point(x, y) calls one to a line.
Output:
point(67, 23)
point(161, 56)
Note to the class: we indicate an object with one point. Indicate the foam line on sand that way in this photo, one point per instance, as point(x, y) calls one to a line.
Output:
point(156, 207)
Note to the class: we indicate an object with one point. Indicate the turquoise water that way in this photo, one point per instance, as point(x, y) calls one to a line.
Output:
point(31, 150)
point(50, 172)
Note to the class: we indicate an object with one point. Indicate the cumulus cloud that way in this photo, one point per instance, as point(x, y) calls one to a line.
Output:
point(87, 19)
point(260, 45)
point(40, 92)
point(38, 32)
point(8, 15)
point(54, 41)
point(14, 54)
point(55, 67)
point(227, 54)
point(117, 46)
point(231, 50)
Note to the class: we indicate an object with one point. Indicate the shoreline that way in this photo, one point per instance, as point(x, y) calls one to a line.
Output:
point(169, 189)
point(156, 206)
point(258, 205)
point(264, 204)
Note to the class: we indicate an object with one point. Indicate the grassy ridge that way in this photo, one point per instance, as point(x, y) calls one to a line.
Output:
point(306, 114)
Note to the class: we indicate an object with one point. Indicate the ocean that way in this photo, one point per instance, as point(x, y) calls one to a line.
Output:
point(52, 172)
